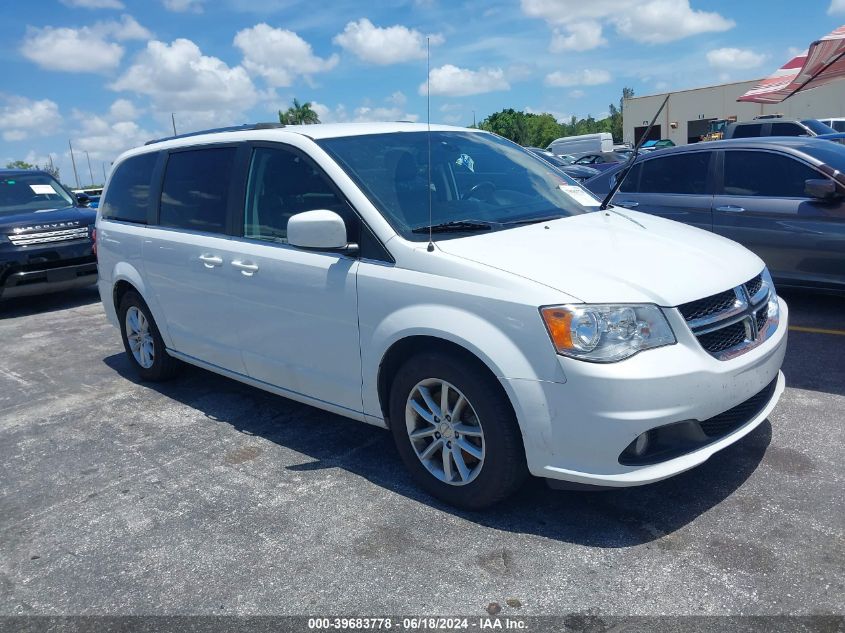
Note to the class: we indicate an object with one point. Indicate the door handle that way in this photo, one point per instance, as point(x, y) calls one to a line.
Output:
point(246, 268)
point(730, 208)
point(628, 204)
point(210, 261)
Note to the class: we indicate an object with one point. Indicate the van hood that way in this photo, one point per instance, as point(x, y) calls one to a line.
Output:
point(615, 257)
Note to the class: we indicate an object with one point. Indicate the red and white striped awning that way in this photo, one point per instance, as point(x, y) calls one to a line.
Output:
point(822, 63)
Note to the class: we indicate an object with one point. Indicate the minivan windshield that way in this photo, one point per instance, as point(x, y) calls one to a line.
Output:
point(31, 192)
point(478, 182)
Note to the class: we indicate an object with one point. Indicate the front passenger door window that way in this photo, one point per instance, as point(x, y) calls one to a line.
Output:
point(281, 184)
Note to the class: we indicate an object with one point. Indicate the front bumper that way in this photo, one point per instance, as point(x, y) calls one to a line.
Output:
point(576, 431)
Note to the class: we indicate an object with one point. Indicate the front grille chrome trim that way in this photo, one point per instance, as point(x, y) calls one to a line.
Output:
point(46, 237)
point(746, 309)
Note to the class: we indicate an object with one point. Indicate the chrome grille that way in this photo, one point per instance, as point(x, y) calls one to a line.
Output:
point(732, 322)
point(46, 237)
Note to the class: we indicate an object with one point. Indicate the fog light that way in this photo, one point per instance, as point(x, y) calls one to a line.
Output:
point(640, 445)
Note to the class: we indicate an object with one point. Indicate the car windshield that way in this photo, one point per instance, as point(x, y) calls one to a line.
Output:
point(31, 192)
point(475, 177)
point(818, 127)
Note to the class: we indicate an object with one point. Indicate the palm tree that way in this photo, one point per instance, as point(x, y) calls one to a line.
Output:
point(299, 114)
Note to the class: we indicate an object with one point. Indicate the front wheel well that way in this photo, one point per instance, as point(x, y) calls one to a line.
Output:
point(119, 290)
point(405, 348)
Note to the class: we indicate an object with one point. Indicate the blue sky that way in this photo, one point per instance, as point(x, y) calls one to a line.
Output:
point(107, 74)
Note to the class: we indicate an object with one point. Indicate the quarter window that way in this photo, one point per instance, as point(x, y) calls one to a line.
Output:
point(281, 184)
point(128, 195)
point(767, 174)
point(684, 173)
point(196, 189)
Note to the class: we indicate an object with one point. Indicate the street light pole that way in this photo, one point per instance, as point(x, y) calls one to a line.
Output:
point(73, 162)
point(90, 171)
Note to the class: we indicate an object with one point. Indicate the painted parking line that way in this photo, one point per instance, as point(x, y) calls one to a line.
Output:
point(816, 330)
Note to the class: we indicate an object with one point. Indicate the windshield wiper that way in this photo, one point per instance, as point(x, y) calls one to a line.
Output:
point(456, 226)
point(534, 220)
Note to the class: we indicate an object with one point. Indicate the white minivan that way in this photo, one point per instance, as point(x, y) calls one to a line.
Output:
point(449, 286)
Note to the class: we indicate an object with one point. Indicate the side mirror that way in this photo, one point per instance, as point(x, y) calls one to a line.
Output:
point(820, 188)
point(320, 230)
point(82, 199)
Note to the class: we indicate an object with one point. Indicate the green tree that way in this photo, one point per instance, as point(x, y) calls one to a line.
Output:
point(299, 114)
point(19, 164)
point(616, 114)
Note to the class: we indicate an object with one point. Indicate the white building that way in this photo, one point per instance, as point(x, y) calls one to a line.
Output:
point(687, 115)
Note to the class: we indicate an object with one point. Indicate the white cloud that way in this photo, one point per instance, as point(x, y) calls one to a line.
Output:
point(106, 136)
point(183, 6)
point(461, 82)
point(87, 49)
point(21, 118)
point(734, 58)
point(578, 36)
point(585, 77)
point(366, 113)
point(384, 45)
point(279, 55)
point(576, 94)
point(398, 98)
point(836, 6)
point(649, 21)
point(177, 77)
point(94, 4)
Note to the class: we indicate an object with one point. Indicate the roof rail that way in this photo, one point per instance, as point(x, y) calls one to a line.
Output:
point(218, 130)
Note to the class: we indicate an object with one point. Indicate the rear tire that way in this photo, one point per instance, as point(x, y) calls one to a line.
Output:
point(464, 448)
point(142, 340)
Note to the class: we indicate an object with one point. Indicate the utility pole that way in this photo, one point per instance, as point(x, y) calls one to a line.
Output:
point(104, 173)
point(173, 120)
point(473, 118)
point(90, 171)
point(73, 162)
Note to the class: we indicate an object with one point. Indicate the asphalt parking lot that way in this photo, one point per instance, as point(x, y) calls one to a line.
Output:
point(206, 496)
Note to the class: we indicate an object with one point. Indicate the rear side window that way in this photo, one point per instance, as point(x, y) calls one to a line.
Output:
point(684, 173)
point(749, 173)
point(632, 180)
point(128, 195)
point(788, 129)
point(747, 131)
point(195, 192)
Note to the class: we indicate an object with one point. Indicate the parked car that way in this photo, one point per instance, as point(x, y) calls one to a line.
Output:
point(576, 172)
point(780, 197)
point(477, 305)
point(777, 126)
point(45, 236)
point(582, 144)
point(600, 161)
point(837, 123)
point(650, 146)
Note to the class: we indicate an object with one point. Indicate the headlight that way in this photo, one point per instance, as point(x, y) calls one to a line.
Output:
point(774, 308)
point(606, 333)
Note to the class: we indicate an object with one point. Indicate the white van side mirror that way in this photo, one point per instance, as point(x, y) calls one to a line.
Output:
point(318, 230)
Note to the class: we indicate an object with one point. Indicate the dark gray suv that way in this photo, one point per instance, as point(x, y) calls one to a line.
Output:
point(783, 198)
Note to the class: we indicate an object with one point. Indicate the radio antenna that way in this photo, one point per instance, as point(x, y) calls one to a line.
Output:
point(428, 123)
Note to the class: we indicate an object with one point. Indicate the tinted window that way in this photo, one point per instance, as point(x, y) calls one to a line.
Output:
point(750, 173)
point(281, 184)
point(631, 182)
point(818, 127)
point(678, 173)
point(788, 129)
point(839, 126)
point(128, 194)
point(196, 189)
point(747, 131)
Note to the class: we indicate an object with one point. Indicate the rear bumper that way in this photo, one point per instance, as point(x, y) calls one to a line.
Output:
point(54, 279)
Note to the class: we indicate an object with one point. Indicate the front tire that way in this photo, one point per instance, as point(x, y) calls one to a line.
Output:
point(456, 431)
point(142, 340)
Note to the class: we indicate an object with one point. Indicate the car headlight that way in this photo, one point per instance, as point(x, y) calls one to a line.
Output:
point(606, 333)
point(774, 307)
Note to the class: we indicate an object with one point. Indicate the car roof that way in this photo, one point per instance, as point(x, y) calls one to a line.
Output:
point(21, 172)
point(276, 132)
